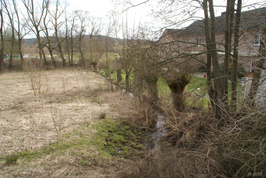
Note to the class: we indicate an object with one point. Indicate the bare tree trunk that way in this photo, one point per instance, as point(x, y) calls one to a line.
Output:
point(12, 47)
point(127, 80)
point(228, 41)
point(40, 49)
point(52, 57)
point(235, 58)
point(209, 60)
point(177, 89)
point(35, 22)
point(72, 45)
point(153, 90)
point(67, 48)
point(215, 63)
point(44, 58)
point(20, 53)
point(59, 45)
point(20, 36)
point(11, 21)
point(67, 44)
point(94, 64)
point(10, 65)
point(2, 64)
point(80, 51)
point(118, 75)
point(46, 32)
point(62, 55)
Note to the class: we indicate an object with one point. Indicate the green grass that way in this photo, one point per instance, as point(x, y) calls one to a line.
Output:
point(114, 77)
point(196, 91)
point(111, 56)
point(163, 89)
point(111, 136)
point(114, 135)
point(11, 159)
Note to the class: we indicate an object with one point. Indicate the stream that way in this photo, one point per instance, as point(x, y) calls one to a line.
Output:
point(152, 141)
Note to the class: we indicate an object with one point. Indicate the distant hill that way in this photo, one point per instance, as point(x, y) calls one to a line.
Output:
point(33, 41)
point(30, 41)
point(100, 37)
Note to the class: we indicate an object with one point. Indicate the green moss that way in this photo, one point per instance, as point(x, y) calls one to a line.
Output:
point(116, 138)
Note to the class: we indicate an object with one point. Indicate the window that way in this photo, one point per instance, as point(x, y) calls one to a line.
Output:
point(198, 41)
point(257, 40)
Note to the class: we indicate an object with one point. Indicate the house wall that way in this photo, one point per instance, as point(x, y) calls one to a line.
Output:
point(195, 44)
point(260, 98)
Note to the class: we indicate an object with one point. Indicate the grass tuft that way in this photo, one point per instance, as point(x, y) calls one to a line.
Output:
point(11, 159)
point(102, 116)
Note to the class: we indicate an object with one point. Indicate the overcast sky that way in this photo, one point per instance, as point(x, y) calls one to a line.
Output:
point(97, 8)
point(141, 14)
point(100, 8)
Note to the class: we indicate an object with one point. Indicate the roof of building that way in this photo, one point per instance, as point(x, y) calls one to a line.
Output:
point(252, 19)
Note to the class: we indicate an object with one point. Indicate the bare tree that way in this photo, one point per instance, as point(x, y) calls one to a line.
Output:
point(108, 45)
point(67, 39)
point(72, 40)
point(2, 65)
point(215, 64)
point(228, 40)
point(235, 56)
point(56, 15)
point(128, 57)
point(97, 49)
point(209, 63)
point(46, 30)
point(146, 68)
point(10, 14)
point(35, 18)
point(81, 30)
point(21, 32)
point(96, 45)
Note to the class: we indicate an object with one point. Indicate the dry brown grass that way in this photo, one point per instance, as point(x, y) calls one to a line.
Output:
point(195, 146)
point(66, 99)
point(174, 163)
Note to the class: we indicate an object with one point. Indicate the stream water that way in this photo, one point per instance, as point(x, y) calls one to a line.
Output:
point(153, 138)
point(160, 129)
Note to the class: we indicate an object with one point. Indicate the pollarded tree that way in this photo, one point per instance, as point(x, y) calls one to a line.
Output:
point(128, 58)
point(177, 78)
point(146, 68)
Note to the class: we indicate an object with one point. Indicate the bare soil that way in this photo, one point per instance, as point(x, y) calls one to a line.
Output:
point(63, 99)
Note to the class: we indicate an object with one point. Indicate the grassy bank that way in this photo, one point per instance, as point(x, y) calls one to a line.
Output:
point(112, 139)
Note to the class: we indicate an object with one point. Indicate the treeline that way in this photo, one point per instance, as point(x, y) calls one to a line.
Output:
point(55, 31)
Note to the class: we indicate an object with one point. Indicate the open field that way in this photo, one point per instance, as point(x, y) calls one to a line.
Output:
point(39, 128)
